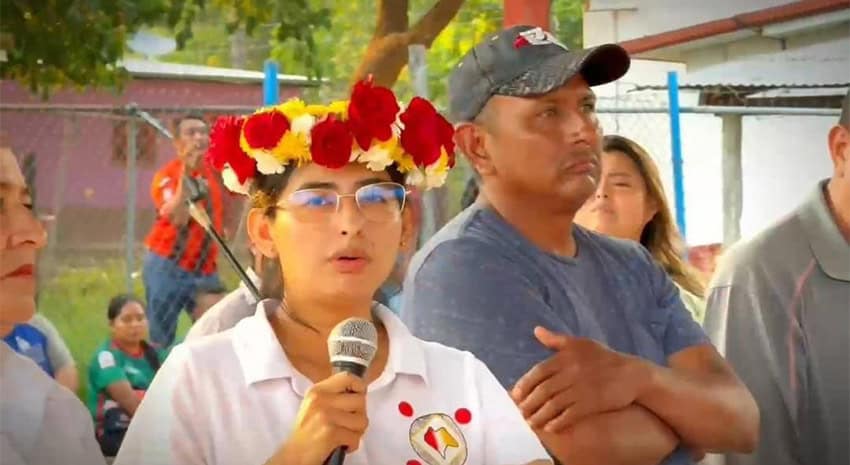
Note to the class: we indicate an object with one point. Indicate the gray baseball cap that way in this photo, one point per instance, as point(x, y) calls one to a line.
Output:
point(525, 61)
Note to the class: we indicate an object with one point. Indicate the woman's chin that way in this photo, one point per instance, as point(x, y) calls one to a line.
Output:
point(15, 310)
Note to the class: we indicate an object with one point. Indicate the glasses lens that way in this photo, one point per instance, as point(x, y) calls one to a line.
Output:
point(381, 202)
point(312, 205)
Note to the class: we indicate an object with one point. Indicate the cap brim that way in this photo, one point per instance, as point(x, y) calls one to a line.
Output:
point(597, 65)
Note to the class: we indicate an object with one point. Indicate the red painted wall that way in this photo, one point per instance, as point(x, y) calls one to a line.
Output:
point(92, 187)
point(532, 12)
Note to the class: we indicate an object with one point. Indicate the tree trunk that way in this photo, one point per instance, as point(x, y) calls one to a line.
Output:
point(386, 54)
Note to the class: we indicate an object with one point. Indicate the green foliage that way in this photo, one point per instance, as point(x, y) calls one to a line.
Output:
point(70, 42)
point(567, 21)
point(79, 42)
point(295, 23)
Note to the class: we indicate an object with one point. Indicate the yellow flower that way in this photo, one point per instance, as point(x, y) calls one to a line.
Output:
point(404, 161)
point(292, 147)
point(339, 107)
point(292, 108)
point(435, 175)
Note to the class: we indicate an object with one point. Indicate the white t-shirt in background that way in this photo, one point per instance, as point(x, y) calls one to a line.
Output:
point(232, 398)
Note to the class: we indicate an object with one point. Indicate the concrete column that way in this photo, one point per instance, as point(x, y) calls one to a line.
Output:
point(733, 184)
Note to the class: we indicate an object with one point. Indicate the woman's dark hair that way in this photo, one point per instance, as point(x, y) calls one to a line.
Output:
point(470, 193)
point(265, 194)
point(118, 302)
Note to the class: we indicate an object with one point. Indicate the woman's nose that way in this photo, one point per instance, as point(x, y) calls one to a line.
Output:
point(349, 218)
point(25, 230)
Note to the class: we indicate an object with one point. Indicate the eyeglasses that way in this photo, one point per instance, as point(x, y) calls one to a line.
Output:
point(381, 202)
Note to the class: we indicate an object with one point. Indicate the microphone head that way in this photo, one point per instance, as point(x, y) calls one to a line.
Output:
point(352, 345)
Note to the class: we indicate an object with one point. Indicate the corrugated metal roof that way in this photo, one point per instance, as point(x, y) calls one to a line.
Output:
point(779, 71)
point(160, 69)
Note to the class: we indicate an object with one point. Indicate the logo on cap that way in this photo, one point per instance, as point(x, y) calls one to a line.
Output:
point(537, 36)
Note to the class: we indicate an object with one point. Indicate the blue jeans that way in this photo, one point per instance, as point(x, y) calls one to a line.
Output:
point(169, 289)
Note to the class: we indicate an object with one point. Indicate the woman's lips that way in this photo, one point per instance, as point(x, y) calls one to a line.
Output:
point(23, 271)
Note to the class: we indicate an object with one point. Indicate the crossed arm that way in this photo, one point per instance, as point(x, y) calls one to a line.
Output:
point(696, 402)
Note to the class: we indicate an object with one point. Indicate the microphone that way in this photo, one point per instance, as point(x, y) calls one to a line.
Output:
point(352, 345)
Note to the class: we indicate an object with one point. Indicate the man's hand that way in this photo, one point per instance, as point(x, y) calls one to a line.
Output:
point(583, 378)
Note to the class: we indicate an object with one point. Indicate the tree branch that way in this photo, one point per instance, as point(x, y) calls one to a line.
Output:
point(386, 54)
point(434, 21)
point(392, 17)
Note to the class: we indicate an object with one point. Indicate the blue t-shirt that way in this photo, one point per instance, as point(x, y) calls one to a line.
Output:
point(30, 342)
point(479, 285)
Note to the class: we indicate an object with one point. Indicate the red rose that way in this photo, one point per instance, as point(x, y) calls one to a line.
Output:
point(330, 143)
point(264, 130)
point(224, 148)
point(425, 133)
point(371, 113)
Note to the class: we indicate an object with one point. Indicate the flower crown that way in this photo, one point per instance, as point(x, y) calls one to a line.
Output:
point(369, 128)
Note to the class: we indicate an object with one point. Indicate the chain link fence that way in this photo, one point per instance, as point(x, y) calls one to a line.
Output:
point(91, 181)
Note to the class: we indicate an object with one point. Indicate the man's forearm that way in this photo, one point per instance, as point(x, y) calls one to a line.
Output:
point(632, 436)
point(709, 410)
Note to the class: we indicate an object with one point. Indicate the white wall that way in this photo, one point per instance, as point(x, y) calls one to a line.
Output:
point(783, 156)
point(655, 16)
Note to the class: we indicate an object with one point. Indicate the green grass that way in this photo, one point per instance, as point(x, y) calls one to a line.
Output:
point(75, 301)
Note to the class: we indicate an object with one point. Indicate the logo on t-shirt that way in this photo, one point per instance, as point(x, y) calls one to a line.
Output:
point(23, 344)
point(105, 359)
point(436, 437)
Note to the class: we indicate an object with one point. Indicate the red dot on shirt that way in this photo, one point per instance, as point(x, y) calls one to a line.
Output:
point(463, 416)
point(407, 410)
point(413, 462)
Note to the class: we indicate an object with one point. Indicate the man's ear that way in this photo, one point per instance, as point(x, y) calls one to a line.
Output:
point(470, 139)
point(839, 150)
point(259, 230)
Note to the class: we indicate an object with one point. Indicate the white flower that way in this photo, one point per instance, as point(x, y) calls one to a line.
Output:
point(435, 178)
point(377, 158)
point(303, 124)
point(267, 163)
point(397, 127)
point(415, 177)
point(231, 181)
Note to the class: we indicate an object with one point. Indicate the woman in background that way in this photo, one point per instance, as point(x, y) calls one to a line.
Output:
point(41, 422)
point(121, 371)
point(630, 204)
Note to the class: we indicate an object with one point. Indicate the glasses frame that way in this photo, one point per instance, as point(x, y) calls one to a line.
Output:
point(353, 195)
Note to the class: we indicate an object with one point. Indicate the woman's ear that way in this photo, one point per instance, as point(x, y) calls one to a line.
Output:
point(259, 230)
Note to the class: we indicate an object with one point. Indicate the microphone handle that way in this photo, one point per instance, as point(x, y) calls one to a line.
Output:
point(337, 456)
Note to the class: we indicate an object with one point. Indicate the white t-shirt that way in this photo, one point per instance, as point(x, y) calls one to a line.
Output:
point(232, 309)
point(232, 398)
point(41, 422)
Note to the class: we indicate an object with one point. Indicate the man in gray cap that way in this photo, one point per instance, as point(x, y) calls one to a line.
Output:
point(586, 331)
point(779, 307)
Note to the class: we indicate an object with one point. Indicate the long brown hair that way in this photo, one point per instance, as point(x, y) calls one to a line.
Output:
point(660, 235)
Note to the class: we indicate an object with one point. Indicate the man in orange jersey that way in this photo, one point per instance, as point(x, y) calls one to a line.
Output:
point(181, 256)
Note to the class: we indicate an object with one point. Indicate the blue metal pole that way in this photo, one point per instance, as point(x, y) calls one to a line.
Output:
point(676, 146)
point(270, 85)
